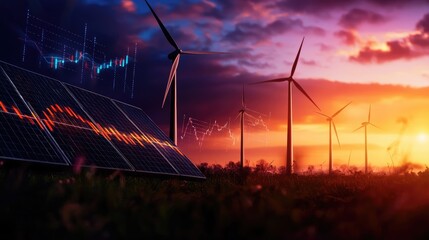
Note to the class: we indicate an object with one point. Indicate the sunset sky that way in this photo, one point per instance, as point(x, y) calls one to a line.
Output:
point(373, 52)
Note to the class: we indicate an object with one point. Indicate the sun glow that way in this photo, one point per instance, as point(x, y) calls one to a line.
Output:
point(422, 137)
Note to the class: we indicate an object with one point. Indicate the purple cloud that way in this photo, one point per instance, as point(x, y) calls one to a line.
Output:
point(357, 16)
point(396, 50)
point(317, 7)
point(257, 32)
point(399, 49)
point(347, 37)
point(423, 24)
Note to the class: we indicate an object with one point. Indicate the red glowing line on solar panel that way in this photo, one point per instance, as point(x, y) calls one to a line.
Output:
point(3, 107)
point(56, 111)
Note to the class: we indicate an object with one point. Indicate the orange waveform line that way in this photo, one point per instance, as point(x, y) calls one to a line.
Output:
point(74, 114)
point(38, 122)
point(80, 118)
point(16, 110)
point(48, 125)
point(53, 108)
point(3, 108)
point(68, 111)
point(30, 119)
point(108, 133)
point(59, 108)
point(50, 112)
point(48, 119)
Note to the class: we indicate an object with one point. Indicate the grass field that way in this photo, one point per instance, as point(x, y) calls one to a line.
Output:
point(93, 205)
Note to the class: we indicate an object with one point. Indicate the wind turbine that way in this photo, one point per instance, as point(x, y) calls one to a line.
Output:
point(290, 80)
point(364, 125)
point(330, 119)
point(242, 112)
point(172, 78)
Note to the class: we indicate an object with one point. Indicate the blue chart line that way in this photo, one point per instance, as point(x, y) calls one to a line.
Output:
point(62, 50)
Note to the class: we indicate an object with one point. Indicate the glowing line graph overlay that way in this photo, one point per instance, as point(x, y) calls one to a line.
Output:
point(61, 49)
point(56, 114)
point(198, 130)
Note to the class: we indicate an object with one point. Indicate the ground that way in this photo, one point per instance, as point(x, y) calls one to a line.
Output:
point(113, 205)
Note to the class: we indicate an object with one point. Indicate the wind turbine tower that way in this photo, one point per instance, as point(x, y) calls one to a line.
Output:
point(172, 78)
point(330, 119)
point(290, 80)
point(365, 125)
point(242, 112)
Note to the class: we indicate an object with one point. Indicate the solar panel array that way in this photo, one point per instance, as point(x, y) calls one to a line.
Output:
point(45, 120)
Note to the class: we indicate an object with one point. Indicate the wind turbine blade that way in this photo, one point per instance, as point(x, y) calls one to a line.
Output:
point(323, 114)
point(358, 128)
point(374, 126)
point(170, 77)
point(369, 114)
point(251, 116)
point(272, 80)
point(296, 59)
point(303, 91)
point(256, 112)
point(238, 115)
point(202, 53)
point(336, 134)
point(335, 114)
point(164, 30)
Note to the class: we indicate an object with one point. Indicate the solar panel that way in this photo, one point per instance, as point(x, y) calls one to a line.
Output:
point(44, 120)
point(22, 136)
point(135, 146)
point(70, 127)
point(180, 162)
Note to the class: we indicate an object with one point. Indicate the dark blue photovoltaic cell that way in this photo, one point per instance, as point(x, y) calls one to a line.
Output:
point(68, 124)
point(21, 137)
point(136, 147)
point(44, 120)
point(182, 164)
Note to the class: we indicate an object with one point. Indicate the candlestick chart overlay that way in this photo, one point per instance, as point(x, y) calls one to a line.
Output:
point(80, 54)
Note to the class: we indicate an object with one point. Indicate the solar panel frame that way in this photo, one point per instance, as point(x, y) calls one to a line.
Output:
point(55, 149)
point(59, 150)
point(186, 168)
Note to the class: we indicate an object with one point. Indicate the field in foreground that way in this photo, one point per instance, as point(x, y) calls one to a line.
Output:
point(102, 206)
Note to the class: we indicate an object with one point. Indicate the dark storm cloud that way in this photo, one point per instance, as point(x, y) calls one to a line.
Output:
point(357, 16)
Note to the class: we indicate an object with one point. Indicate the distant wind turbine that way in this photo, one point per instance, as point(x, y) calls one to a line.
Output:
point(171, 84)
point(242, 112)
point(330, 119)
point(290, 80)
point(364, 125)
